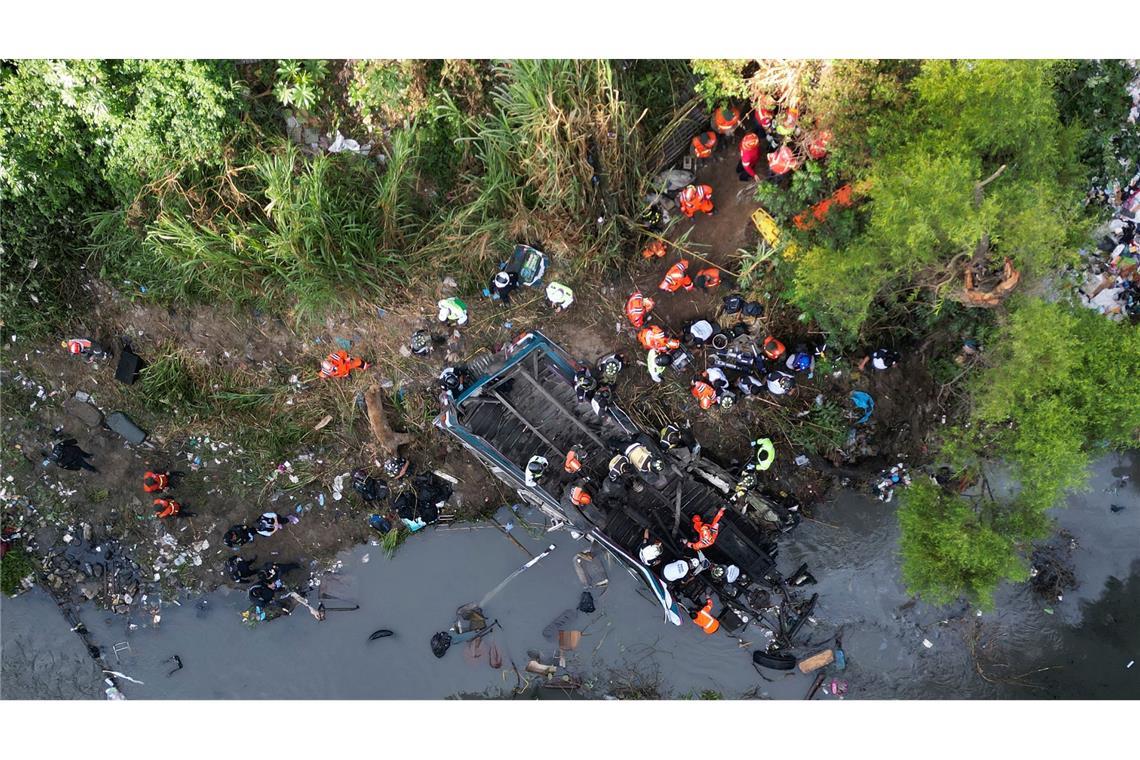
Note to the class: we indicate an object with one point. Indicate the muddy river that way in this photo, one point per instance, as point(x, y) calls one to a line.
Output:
point(1081, 649)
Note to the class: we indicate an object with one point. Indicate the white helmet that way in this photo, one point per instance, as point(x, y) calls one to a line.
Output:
point(502, 280)
point(675, 571)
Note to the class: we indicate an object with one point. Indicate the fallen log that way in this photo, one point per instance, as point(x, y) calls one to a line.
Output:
point(971, 296)
point(386, 441)
point(817, 661)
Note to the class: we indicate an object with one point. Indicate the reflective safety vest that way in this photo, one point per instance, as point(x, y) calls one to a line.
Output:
point(639, 456)
point(164, 508)
point(655, 370)
point(153, 482)
point(675, 278)
point(573, 462)
point(636, 309)
point(788, 121)
point(705, 620)
point(340, 364)
point(579, 497)
point(765, 453)
point(704, 393)
point(560, 296)
point(711, 277)
point(704, 144)
point(726, 120)
point(706, 532)
point(653, 338)
point(656, 249)
point(694, 199)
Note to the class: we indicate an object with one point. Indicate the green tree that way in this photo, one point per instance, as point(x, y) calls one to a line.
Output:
point(950, 548)
point(720, 80)
point(1094, 94)
point(977, 167)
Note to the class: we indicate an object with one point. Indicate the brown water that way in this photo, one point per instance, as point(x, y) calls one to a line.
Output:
point(852, 549)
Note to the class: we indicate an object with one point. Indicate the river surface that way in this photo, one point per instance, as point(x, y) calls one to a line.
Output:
point(1081, 650)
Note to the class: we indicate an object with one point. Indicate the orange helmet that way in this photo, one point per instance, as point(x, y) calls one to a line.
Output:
point(750, 141)
point(579, 496)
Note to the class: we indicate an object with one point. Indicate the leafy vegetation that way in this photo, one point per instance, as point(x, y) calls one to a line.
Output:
point(1093, 94)
point(15, 565)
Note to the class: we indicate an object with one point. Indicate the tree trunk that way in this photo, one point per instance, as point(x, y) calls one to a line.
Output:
point(386, 441)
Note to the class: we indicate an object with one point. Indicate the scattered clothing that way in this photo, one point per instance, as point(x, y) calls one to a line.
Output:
point(340, 364)
point(88, 349)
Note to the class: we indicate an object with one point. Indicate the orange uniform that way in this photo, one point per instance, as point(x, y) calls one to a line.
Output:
point(579, 497)
point(164, 508)
point(726, 120)
point(340, 364)
point(708, 278)
point(704, 145)
point(705, 620)
point(653, 338)
point(706, 532)
point(573, 462)
point(675, 278)
point(637, 308)
point(695, 199)
point(654, 250)
point(153, 482)
point(704, 393)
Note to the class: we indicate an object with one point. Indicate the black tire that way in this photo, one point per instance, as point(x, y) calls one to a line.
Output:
point(774, 661)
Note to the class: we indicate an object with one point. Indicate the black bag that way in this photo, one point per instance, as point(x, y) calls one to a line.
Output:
point(587, 603)
point(753, 309)
point(733, 303)
point(129, 366)
point(440, 643)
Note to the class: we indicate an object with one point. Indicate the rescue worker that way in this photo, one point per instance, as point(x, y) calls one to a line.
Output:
point(780, 383)
point(340, 364)
point(536, 470)
point(88, 349)
point(703, 617)
point(637, 308)
point(609, 366)
point(454, 379)
point(238, 536)
point(787, 122)
point(618, 467)
point(654, 250)
point(164, 508)
point(650, 551)
point(773, 349)
point(716, 377)
point(675, 278)
point(584, 384)
point(696, 199)
point(271, 575)
point(744, 484)
point(503, 284)
point(675, 571)
point(703, 145)
point(707, 279)
point(763, 454)
point(725, 120)
point(653, 338)
point(156, 482)
point(749, 166)
point(559, 296)
point(69, 456)
point(706, 532)
point(260, 595)
point(579, 496)
point(602, 398)
point(270, 522)
point(726, 400)
point(239, 568)
point(801, 361)
point(656, 362)
point(704, 393)
point(452, 311)
point(765, 112)
point(642, 459)
point(881, 359)
point(574, 458)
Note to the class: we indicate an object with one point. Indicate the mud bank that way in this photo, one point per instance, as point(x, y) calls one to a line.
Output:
point(1018, 650)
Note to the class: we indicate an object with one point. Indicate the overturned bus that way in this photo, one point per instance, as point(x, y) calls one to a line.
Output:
point(522, 403)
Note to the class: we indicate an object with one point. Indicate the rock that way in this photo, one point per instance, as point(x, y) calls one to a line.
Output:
point(87, 532)
point(84, 411)
point(122, 609)
point(89, 590)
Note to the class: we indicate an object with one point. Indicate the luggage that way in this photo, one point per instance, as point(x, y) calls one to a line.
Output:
point(129, 366)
